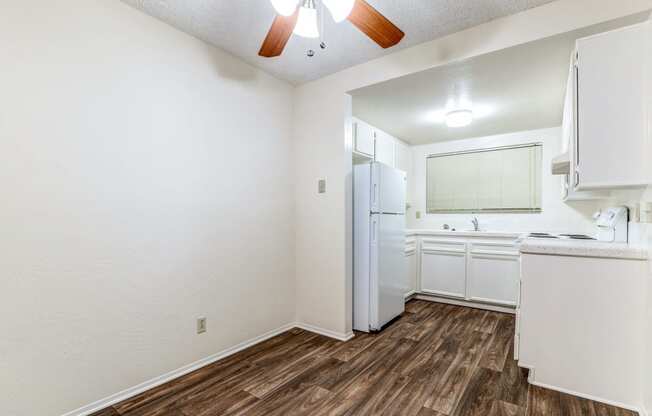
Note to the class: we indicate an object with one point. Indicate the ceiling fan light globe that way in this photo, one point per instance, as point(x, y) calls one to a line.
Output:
point(307, 23)
point(340, 9)
point(285, 7)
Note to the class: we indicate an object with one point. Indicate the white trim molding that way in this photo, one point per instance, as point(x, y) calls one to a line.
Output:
point(162, 379)
point(461, 302)
point(589, 397)
point(325, 332)
point(531, 376)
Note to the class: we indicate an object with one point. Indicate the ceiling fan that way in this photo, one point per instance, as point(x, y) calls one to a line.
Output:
point(302, 21)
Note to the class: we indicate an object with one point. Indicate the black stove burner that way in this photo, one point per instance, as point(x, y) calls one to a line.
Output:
point(577, 236)
point(542, 235)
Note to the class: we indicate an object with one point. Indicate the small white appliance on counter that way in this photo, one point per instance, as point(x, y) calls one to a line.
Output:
point(379, 263)
point(612, 224)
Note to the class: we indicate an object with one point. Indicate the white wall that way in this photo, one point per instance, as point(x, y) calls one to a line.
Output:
point(323, 268)
point(647, 394)
point(147, 181)
point(648, 197)
point(556, 216)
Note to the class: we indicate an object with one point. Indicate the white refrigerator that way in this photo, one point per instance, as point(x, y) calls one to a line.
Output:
point(379, 262)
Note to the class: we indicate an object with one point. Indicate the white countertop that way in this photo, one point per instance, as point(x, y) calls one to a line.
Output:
point(583, 248)
point(558, 247)
point(464, 233)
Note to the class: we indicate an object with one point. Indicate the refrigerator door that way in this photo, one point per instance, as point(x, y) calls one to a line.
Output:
point(361, 246)
point(387, 189)
point(388, 268)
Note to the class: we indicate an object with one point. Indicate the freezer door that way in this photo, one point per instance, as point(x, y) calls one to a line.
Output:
point(388, 271)
point(387, 189)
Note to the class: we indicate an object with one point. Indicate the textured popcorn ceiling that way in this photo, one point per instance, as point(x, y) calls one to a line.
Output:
point(239, 27)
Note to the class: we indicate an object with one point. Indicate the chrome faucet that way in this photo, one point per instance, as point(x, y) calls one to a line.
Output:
point(476, 224)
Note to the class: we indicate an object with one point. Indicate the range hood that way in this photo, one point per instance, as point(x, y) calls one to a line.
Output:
point(561, 164)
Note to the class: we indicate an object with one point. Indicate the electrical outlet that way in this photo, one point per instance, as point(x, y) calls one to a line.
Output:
point(201, 325)
point(321, 186)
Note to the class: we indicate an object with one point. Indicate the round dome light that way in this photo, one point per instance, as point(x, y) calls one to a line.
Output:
point(459, 118)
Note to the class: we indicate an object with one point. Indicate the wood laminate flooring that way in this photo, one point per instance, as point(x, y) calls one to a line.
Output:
point(436, 360)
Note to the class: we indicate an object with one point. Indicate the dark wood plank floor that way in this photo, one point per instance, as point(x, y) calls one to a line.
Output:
point(436, 360)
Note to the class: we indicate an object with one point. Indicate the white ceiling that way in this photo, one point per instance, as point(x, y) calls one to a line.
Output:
point(515, 89)
point(239, 27)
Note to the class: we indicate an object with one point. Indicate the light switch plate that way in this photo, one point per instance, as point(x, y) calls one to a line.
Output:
point(321, 187)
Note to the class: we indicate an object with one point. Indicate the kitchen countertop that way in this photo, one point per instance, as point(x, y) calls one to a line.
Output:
point(557, 247)
point(464, 233)
point(583, 248)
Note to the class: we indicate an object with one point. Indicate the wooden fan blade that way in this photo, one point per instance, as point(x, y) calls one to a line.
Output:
point(278, 35)
point(375, 25)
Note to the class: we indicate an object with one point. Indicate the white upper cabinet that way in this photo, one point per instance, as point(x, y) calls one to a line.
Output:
point(384, 148)
point(380, 146)
point(363, 138)
point(403, 157)
point(610, 123)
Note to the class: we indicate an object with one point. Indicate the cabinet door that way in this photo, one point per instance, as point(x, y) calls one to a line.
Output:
point(411, 256)
point(363, 138)
point(384, 148)
point(611, 116)
point(443, 268)
point(412, 274)
point(403, 158)
point(493, 278)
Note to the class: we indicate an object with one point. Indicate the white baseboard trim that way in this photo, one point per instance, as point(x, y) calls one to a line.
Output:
point(470, 304)
point(325, 332)
point(640, 410)
point(410, 295)
point(157, 381)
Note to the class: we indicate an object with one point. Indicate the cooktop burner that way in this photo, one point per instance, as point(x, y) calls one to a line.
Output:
point(542, 235)
point(577, 236)
point(561, 236)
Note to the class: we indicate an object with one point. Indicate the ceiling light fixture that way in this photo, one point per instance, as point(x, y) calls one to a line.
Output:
point(459, 118)
point(340, 9)
point(304, 22)
point(285, 7)
point(307, 21)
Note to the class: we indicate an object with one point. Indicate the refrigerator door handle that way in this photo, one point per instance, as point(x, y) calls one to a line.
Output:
point(374, 226)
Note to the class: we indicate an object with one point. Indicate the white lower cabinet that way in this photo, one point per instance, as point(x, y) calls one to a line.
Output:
point(412, 274)
point(412, 265)
point(443, 268)
point(493, 278)
point(470, 269)
point(493, 273)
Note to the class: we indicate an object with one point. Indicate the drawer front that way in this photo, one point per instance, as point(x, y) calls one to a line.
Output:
point(442, 245)
point(499, 248)
point(410, 246)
